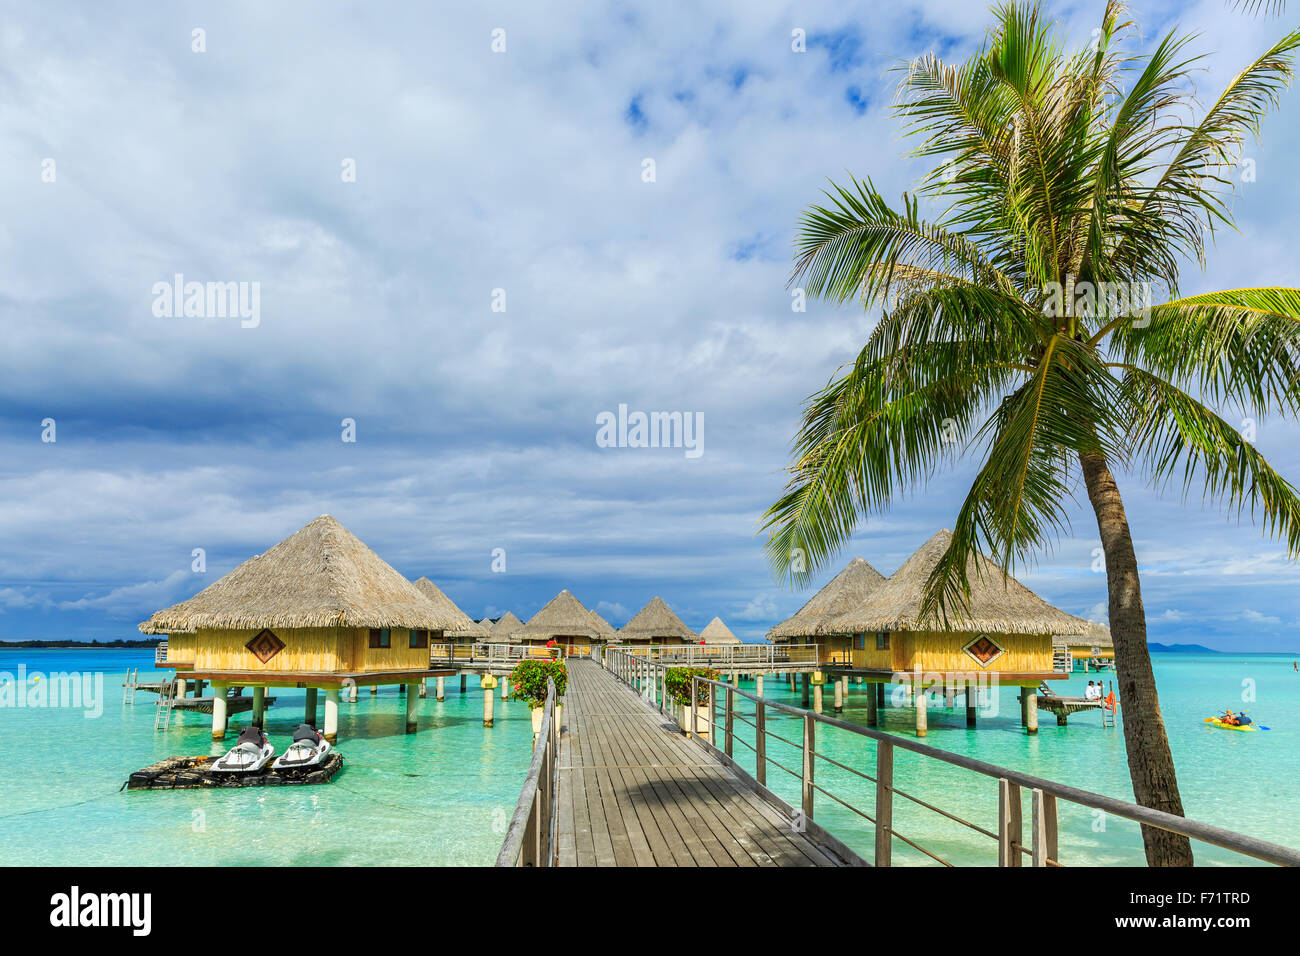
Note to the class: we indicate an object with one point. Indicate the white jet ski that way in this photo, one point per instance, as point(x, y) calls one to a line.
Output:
point(309, 749)
point(252, 752)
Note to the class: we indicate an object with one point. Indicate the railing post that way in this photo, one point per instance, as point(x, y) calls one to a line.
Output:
point(690, 718)
point(731, 706)
point(809, 761)
point(760, 743)
point(884, 802)
point(1042, 827)
point(1010, 835)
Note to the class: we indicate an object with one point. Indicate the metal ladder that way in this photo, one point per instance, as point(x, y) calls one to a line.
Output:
point(132, 679)
point(166, 702)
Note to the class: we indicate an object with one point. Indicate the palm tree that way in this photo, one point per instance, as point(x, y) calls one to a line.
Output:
point(1014, 325)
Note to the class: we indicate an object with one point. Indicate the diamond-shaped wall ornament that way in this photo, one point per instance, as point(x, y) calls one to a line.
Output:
point(265, 646)
point(984, 650)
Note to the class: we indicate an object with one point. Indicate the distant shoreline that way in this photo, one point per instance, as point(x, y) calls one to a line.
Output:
point(82, 645)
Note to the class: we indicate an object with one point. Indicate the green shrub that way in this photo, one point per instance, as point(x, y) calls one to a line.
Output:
point(677, 681)
point(528, 681)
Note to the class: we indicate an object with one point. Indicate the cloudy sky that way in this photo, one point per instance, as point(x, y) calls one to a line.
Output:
point(389, 182)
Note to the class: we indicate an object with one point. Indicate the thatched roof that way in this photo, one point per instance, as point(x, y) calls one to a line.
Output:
point(998, 604)
point(563, 616)
point(506, 625)
point(320, 576)
point(715, 632)
point(1097, 635)
point(606, 629)
point(850, 587)
point(466, 627)
point(655, 620)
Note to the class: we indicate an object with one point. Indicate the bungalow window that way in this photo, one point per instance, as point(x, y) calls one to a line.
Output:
point(859, 642)
point(419, 638)
point(882, 640)
point(381, 637)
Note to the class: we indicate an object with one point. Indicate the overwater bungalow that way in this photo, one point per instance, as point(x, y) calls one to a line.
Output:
point(466, 630)
point(656, 624)
point(858, 581)
point(503, 630)
point(1005, 632)
point(607, 633)
point(320, 610)
point(563, 620)
point(715, 632)
point(1092, 650)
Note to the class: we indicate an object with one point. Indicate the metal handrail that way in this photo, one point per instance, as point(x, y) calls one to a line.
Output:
point(1044, 793)
point(723, 654)
point(530, 837)
point(491, 654)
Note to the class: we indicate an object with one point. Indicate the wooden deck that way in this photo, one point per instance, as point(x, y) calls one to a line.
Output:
point(634, 792)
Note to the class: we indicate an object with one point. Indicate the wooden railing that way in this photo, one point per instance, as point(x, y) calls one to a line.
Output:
point(160, 653)
point(530, 837)
point(723, 655)
point(648, 678)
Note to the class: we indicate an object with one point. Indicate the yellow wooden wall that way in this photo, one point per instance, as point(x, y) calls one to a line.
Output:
point(942, 651)
point(327, 649)
point(306, 649)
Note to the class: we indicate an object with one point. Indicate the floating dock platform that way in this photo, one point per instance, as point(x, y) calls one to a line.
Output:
point(193, 773)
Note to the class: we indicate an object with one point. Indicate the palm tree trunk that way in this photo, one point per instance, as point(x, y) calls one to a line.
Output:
point(1150, 763)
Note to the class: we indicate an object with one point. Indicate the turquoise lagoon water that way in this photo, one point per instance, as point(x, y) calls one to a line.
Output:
point(442, 796)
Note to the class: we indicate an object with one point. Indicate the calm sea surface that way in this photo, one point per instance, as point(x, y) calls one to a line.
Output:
point(443, 795)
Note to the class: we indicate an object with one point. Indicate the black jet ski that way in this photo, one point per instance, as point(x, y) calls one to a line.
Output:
point(309, 749)
point(252, 752)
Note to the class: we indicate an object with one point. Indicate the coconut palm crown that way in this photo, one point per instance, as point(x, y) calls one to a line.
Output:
point(1036, 322)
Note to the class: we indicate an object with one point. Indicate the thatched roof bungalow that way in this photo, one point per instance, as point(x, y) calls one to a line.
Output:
point(715, 632)
point(1005, 629)
point(1093, 644)
point(563, 620)
point(504, 628)
point(605, 629)
point(320, 609)
point(656, 624)
point(858, 581)
point(466, 629)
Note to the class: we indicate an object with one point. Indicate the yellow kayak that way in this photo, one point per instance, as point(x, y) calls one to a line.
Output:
point(1216, 722)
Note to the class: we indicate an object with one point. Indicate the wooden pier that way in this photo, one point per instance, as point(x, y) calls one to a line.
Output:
point(633, 791)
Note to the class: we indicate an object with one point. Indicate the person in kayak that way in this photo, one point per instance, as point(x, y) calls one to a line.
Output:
point(1243, 720)
point(1229, 718)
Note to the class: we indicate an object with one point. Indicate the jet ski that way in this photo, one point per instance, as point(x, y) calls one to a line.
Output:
point(252, 752)
point(309, 749)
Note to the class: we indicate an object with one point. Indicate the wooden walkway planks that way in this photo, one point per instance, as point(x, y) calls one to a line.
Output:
point(634, 792)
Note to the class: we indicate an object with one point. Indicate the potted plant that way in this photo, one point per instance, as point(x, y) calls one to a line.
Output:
point(528, 683)
point(677, 682)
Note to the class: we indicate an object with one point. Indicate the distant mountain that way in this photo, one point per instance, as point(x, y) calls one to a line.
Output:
point(1181, 648)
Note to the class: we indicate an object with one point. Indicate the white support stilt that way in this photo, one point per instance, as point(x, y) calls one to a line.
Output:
point(259, 706)
point(441, 692)
point(920, 698)
point(758, 684)
point(412, 708)
point(331, 728)
point(505, 688)
point(218, 711)
point(487, 701)
point(839, 696)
